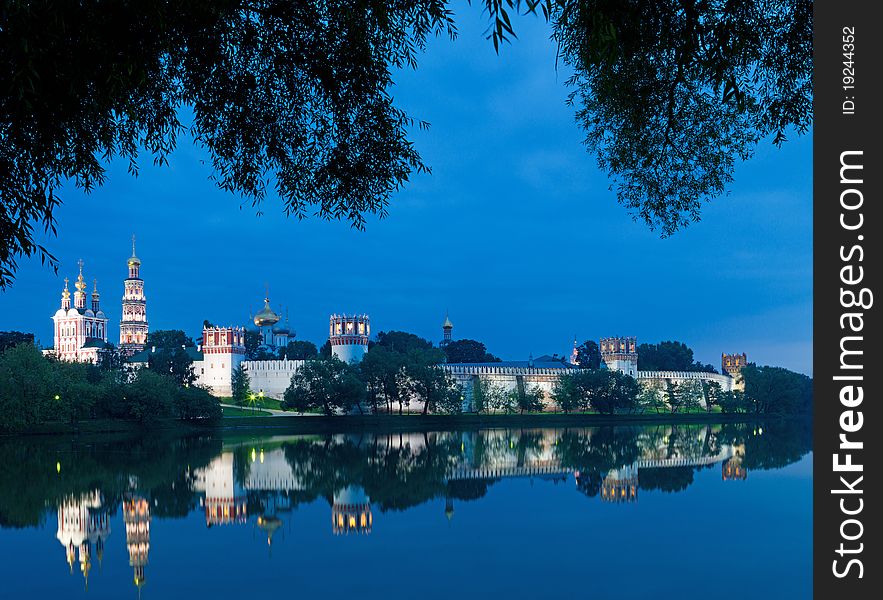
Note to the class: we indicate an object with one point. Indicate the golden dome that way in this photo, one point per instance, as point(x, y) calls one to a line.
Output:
point(447, 324)
point(133, 261)
point(266, 316)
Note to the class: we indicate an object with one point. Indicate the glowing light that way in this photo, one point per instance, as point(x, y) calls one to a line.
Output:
point(58, 467)
point(254, 455)
point(57, 397)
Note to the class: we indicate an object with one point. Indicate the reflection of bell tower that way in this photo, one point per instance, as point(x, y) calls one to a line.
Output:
point(351, 511)
point(136, 514)
point(620, 485)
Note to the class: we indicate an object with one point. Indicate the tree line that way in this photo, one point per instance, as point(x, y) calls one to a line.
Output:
point(37, 389)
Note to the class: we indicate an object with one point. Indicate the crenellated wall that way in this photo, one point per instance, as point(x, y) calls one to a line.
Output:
point(272, 377)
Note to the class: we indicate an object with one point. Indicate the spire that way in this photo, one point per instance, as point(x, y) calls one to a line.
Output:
point(133, 245)
point(95, 295)
point(80, 285)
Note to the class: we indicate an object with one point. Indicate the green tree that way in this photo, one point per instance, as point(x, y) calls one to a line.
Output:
point(175, 363)
point(241, 385)
point(27, 395)
point(148, 398)
point(566, 392)
point(610, 391)
point(468, 351)
point(326, 384)
point(8, 339)
point(532, 399)
point(195, 403)
point(776, 390)
point(424, 380)
point(169, 338)
point(253, 341)
point(402, 341)
point(588, 355)
point(733, 402)
point(651, 397)
point(299, 350)
point(381, 370)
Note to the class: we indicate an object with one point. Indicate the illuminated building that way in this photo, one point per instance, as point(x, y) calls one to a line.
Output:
point(80, 332)
point(274, 336)
point(620, 485)
point(83, 522)
point(224, 502)
point(620, 354)
point(136, 514)
point(223, 350)
point(732, 469)
point(574, 354)
point(133, 325)
point(351, 512)
point(349, 337)
point(732, 365)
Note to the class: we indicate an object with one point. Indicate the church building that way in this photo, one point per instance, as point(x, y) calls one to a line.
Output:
point(80, 331)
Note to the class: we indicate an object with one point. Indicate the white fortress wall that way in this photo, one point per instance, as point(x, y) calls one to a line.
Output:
point(272, 377)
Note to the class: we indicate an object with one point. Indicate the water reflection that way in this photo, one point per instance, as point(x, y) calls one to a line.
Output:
point(259, 483)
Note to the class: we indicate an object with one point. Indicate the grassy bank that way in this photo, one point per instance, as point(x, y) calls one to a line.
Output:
point(242, 420)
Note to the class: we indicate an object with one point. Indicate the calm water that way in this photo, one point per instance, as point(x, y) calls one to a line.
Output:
point(663, 511)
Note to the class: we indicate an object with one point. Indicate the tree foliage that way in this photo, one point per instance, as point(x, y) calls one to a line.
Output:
point(671, 94)
point(669, 356)
point(293, 98)
point(588, 355)
point(36, 390)
point(241, 385)
point(468, 351)
point(329, 385)
point(299, 350)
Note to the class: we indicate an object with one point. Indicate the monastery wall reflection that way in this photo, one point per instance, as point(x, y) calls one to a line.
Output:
point(261, 482)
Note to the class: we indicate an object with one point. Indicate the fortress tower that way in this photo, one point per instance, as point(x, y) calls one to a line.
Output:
point(620, 354)
point(223, 349)
point(351, 511)
point(732, 364)
point(349, 337)
point(133, 325)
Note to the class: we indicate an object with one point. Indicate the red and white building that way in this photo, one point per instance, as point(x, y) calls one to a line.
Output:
point(133, 325)
point(80, 331)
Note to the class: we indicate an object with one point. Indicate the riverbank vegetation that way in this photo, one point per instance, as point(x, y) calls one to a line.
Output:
point(35, 390)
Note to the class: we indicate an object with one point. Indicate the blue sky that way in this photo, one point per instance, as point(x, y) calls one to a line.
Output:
point(515, 233)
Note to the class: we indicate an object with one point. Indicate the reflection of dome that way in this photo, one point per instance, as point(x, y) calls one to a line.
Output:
point(266, 316)
point(269, 525)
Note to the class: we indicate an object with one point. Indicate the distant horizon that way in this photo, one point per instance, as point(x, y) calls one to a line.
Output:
point(515, 234)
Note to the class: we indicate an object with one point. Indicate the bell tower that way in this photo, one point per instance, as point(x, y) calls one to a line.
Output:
point(133, 325)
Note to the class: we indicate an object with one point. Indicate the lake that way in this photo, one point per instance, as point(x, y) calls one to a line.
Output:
point(670, 511)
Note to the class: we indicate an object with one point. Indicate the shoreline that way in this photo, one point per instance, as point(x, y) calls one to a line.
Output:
point(320, 424)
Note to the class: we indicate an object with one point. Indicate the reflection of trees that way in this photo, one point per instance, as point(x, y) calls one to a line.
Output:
point(396, 471)
point(598, 450)
point(672, 479)
point(36, 475)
